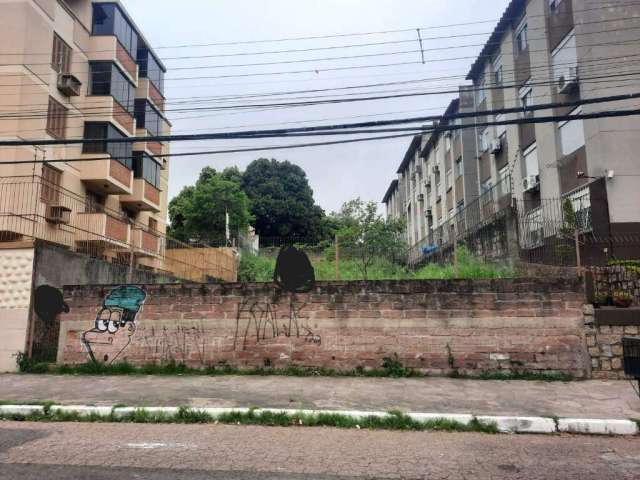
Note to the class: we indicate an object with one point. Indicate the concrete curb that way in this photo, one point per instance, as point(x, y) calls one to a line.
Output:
point(504, 424)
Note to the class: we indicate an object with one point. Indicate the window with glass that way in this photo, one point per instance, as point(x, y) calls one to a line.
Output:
point(459, 167)
point(147, 168)
point(108, 19)
point(107, 79)
point(150, 68)
point(449, 179)
point(497, 70)
point(485, 140)
point(526, 98)
point(522, 39)
point(120, 151)
point(148, 117)
point(481, 93)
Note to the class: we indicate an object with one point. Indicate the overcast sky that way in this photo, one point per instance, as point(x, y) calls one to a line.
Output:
point(336, 173)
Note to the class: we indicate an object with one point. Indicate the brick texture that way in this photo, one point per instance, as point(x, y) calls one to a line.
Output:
point(434, 326)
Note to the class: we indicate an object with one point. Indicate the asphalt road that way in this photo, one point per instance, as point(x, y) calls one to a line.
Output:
point(134, 451)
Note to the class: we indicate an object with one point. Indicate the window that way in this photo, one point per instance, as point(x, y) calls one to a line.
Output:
point(153, 224)
point(107, 79)
point(531, 161)
point(497, 70)
point(522, 40)
point(459, 167)
point(481, 93)
point(150, 68)
point(93, 203)
point(571, 133)
point(565, 59)
point(50, 185)
point(56, 119)
point(485, 139)
point(147, 168)
point(486, 185)
point(501, 129)
point(449, 179)
point(61, 55)
point(148, 117)
point(526, 99)
point(97, 131)
point(108, 19)
point(447, 141)
point(553, 6)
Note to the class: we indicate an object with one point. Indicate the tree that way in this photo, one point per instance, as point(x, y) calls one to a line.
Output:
point(282, 200)
point(197, 213)
point(366, 236)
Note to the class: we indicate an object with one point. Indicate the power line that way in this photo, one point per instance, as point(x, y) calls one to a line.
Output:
point(555, 118)
point(372, 124)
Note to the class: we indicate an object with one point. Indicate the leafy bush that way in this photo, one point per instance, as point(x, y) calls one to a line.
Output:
point(256, 268)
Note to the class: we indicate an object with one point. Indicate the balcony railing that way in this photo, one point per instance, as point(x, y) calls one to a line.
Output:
point(27, 213)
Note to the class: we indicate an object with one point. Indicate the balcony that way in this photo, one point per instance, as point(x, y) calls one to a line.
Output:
point(108, 48)
point(150, 148)
point(109, 177)
point(145, 243)
point(146, 90)
point(103, 230)
point(144, 197)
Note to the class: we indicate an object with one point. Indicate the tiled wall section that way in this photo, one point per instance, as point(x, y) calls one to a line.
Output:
point(16, 270)
point(434, 326)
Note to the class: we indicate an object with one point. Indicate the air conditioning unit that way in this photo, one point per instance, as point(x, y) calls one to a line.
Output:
point(429, 213)
point(427, 183)
point(567, 83)
point(58, 214)
point(496, 146)
point(421, 197)
point(531, 182)
point(69, 85)
point(435, 169)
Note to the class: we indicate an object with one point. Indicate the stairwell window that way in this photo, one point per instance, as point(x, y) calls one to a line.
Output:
point(56, 119)
point(61, 55)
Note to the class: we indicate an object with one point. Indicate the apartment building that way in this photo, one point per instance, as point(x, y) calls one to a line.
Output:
point(546, 51)
point(436, 178)
point(82, 69)
point(557, 51)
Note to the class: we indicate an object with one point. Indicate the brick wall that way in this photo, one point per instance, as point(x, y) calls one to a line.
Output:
point(434, 326)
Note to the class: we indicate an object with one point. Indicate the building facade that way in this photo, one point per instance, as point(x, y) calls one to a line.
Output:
point(81, 69)
point(544, 52)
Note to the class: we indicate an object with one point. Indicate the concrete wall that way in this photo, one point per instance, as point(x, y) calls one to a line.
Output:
point(433, 326)
point(58, 267)
point(16, 266)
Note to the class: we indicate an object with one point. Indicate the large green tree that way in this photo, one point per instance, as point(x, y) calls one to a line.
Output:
point(282, 201)
point(197, 213)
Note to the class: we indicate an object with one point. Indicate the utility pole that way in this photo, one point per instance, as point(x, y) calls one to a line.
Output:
point(337, 242)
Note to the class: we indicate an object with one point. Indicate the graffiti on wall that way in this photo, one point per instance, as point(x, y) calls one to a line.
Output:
point(114, 325)
point(179, 343)
point(48, 304)
point(261, 320)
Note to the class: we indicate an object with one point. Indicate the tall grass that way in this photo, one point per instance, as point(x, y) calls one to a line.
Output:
point(260, 269)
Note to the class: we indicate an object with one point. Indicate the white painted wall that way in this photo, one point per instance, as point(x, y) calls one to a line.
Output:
point(16, 271)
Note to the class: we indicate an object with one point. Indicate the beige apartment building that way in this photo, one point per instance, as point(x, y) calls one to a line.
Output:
point(82, 69)
point(555, 51)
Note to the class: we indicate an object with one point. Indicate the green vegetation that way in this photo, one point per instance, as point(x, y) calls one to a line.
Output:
point(260, 269)
point(394, 420)
point(530, 376)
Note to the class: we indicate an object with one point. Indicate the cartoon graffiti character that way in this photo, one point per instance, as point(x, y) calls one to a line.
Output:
point(115, 323)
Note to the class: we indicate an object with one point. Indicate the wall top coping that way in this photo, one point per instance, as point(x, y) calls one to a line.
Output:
point(504, 285)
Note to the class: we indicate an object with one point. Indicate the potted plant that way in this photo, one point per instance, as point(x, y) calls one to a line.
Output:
point(622, 299)
point(601, 299)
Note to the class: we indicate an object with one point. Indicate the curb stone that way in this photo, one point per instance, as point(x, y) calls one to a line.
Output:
point(597, 426)
point(504, 424)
